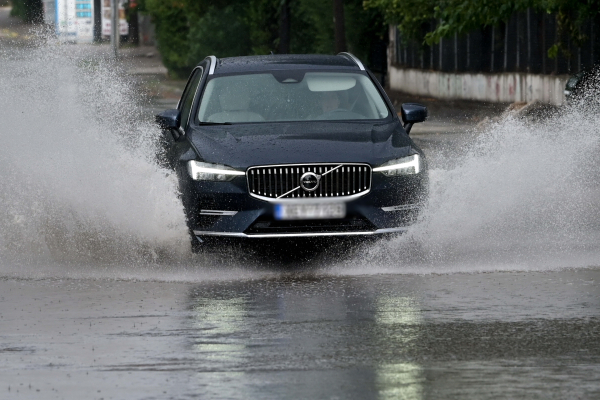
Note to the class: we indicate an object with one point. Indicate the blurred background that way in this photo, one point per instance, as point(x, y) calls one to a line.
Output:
point(486, 50)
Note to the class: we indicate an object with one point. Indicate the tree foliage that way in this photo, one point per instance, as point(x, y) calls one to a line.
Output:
point(189, 30)
point(460, 17)
point(414, 17)
point(571, 16)
point(411, 16)
point(172, 32)
point(228, 32)
point(30, 11)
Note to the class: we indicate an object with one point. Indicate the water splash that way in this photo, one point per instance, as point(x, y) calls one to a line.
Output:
point(79, 182)
point(82, 196)
point(526, 195)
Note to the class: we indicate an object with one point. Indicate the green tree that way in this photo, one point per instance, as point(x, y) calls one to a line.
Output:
point(571, 16)
point(172, 30)
point(223, 31)
point(461, 16)
point(30, 11)
point(411, 16)
point(366, 29)
point(262, 17)
point(189, 30)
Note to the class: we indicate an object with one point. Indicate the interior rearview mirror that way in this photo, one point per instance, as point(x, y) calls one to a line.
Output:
point(413, 113)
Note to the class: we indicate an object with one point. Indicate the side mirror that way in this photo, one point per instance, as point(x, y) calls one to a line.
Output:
point(413, 113)
point(170, 120)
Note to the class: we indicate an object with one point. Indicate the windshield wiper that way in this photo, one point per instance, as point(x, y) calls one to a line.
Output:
point(214, 123)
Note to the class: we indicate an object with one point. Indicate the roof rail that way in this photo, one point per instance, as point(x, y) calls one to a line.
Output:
point(353, 58)
point(213, 64)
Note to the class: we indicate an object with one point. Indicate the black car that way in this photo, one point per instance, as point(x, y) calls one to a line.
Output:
point(581, 83)
point(292, 146)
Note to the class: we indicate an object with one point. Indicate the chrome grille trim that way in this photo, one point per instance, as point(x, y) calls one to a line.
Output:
point(282, 182)
point(404, 207)
point(218, 212)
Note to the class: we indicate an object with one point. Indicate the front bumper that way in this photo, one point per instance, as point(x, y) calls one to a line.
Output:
point(305, 234)
point(226, 209)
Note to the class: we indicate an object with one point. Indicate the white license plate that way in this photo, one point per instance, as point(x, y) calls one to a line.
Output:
point(310, 211)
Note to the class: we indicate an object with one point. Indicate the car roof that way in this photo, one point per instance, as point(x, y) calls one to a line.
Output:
point(343, 61)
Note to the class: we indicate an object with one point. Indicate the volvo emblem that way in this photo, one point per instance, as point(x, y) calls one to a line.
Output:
point(310, 181)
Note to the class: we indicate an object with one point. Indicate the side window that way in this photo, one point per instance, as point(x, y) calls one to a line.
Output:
point(188, 96)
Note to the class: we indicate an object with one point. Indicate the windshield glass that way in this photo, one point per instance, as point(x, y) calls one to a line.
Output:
point(291, 96)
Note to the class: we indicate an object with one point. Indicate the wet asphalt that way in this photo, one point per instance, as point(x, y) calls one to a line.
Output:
point(517, 335)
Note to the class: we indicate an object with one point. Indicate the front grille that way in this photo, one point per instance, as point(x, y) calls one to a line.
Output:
point(283, 181)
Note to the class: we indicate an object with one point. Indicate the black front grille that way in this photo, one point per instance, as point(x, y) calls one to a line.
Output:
point(266, 225)
point(283, 181)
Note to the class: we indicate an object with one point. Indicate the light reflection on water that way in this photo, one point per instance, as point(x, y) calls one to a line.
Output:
point(403, 381)
point(220, 320)
point(419, 337)
point(277, 328)
point(398, 310)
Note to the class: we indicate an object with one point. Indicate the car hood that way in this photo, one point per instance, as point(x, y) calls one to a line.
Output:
point(242, 146)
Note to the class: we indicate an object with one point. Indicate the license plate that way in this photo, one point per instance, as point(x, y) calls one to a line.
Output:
point(310, 211)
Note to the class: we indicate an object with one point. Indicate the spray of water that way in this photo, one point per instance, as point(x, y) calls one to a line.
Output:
point(79, 185)
point(78, 178)
point(526, 195)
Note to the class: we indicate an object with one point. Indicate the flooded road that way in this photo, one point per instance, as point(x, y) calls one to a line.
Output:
point(478, 336)
point(492, 294)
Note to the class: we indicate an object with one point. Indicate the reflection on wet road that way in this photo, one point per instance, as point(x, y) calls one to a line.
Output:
point(479, 336)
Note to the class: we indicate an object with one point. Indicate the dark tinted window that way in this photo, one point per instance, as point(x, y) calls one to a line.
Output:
point(291, 96)
point(188, 96)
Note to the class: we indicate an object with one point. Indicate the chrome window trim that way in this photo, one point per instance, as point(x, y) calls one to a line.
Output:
point(196, 91)
point(352, 57)
point(213, 64)
point(306, 234)
point(328, 199)
point(195, 94)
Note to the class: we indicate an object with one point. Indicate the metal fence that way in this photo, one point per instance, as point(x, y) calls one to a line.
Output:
point(519, 45)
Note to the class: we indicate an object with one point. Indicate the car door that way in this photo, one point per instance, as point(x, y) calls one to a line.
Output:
point(174, 148)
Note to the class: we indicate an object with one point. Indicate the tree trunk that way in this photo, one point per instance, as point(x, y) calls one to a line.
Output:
point(134, 27)
point(284, 27)
point(339, 25)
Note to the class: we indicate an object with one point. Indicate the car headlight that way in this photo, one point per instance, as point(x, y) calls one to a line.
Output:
point(403, 166)
point(200, 171)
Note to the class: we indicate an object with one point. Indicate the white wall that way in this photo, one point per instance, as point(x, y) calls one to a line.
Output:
point(507, 87)
point(499, 87)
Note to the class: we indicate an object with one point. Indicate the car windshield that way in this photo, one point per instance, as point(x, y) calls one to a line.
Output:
point(291, 96)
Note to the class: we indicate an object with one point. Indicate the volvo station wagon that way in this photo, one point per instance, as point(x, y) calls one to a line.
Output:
point(286, 146)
